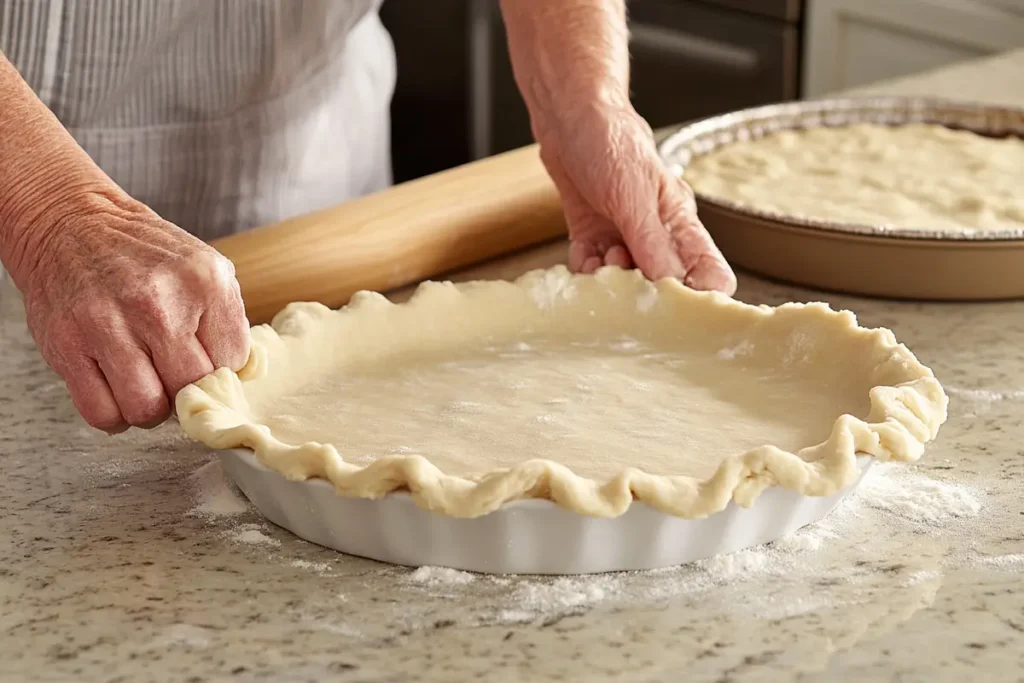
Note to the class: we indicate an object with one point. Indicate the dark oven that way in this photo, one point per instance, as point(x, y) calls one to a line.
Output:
point(456, 99)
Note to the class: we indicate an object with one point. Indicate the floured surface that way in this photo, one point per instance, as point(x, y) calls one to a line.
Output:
point(595, 407)
point(590, 390)
point(923, 177)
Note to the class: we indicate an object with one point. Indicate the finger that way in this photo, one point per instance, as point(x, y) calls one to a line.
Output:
point(224, 331)
point(92, 397)
point(589, 233)
point(594, 242)
point(591, 264)
point(652, 247)
point(580, 251)
point(179, 362)
point(136, 387)
point(618, 255)
point(647, 242)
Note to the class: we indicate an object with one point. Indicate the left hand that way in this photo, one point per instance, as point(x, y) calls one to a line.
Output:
point(622, 206)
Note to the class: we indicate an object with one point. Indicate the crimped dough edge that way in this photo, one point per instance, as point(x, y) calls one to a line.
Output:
point(903, 417)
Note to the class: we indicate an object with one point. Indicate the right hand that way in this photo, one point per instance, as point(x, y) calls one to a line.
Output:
point(129, 309)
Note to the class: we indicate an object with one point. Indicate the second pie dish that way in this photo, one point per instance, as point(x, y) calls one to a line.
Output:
point(591, 391)
point(892, 197)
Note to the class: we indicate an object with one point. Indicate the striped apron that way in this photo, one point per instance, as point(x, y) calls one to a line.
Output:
point(221, 115)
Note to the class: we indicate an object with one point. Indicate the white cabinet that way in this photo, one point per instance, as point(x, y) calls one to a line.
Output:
point(851, 43)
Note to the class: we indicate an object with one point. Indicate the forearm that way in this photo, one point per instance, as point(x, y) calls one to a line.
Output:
point(568, 55)
point(41, 169)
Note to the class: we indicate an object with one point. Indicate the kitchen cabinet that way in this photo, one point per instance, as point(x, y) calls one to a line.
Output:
point(850, 43)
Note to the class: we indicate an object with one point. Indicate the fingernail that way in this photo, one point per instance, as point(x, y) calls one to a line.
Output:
point(714, 276)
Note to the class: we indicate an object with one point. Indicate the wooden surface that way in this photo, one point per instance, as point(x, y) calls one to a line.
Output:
point(404, 234)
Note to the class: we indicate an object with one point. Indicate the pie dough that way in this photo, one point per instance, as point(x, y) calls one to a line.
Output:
point(588, 390)
point(915, 176)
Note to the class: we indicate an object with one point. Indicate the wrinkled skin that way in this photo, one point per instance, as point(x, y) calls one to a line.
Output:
point(129, 309)
point(623, 207)
point(570, 60)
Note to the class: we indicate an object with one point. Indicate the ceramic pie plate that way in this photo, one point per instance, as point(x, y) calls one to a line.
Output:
point(523, 536)
point(867, 260)
point(338, 445)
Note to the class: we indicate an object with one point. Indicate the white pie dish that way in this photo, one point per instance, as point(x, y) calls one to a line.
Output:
point(523, 536)
point(560, 423)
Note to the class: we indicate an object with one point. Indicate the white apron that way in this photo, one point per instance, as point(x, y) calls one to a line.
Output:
point(219, 114)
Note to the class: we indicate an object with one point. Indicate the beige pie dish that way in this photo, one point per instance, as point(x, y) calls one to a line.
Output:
point(872, 260)
point(901, 403)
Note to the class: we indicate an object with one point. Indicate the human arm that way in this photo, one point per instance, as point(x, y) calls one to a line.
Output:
point(571, 64)
point(125, 306)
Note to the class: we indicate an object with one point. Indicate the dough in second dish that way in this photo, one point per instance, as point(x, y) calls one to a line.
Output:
point(588, 390)
point(915, 176)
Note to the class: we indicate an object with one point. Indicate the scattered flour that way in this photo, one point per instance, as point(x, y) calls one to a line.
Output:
point(114, 468)
point(985, 395)
point(785, 570)
point(918, 499)
point(1013, 562)
point(980, 401)
point(807, 540)
point(440, 576)
point(214, 495)
point(564, 593)
point(252, 535)
point(318, 567)
point(919, 577)
point(750, 562)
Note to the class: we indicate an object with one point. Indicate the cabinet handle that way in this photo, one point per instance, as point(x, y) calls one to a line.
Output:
point(694, 48)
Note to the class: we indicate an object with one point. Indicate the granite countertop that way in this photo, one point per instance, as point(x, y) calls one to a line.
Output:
point(131, 559)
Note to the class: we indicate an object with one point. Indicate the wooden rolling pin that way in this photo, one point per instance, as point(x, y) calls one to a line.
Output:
point(401, 235)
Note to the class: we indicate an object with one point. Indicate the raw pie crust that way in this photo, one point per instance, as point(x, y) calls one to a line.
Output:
point(588, 390)
point(913, 176)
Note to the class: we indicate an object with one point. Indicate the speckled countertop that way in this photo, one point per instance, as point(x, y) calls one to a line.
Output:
point(130, 559)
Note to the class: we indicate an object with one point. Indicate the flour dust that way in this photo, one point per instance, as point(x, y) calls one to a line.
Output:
point(213, 495)
point(824, 566)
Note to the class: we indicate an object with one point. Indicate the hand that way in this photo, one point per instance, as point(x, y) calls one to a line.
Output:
point(129, 309)
point(622, 206)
